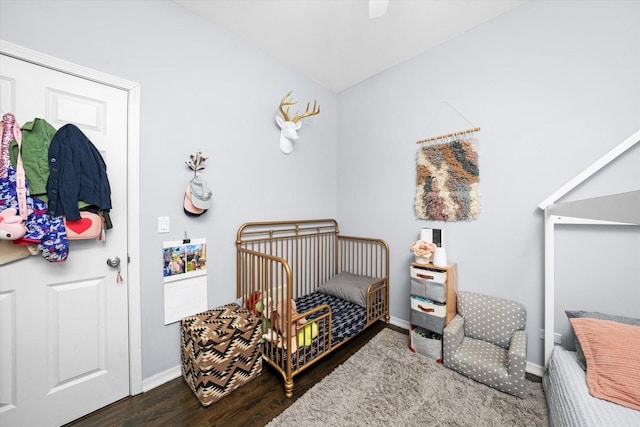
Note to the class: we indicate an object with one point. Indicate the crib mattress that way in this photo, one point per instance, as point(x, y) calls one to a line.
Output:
point(348, 319)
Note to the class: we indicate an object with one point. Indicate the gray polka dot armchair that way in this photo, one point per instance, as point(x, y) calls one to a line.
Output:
point(487, 341)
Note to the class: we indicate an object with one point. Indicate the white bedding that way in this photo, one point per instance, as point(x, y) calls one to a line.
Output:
point(570, 403)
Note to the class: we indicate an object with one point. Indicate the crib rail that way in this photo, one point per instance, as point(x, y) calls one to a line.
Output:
point(368, 257)
point(264, 274)
point(283, 260)
point(290, 363)
point(308, 247)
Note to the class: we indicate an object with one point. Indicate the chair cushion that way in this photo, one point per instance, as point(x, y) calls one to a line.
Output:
point(487, 364)
point(490, 318)
point(481, 360)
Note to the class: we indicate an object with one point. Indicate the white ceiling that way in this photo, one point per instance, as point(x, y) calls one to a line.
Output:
point(334, 42)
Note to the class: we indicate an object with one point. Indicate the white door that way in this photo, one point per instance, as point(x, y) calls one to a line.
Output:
point(64, 343)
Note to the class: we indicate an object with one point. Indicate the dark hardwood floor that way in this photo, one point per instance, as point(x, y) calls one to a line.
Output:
point(253, 404)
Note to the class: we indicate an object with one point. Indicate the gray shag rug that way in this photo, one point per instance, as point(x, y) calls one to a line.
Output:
point(385, 384)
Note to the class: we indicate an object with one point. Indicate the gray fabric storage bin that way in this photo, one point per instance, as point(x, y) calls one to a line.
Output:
point(428, 283)
point(429, 289)
point(427, 321)
point(432, 321)
point(430, 347)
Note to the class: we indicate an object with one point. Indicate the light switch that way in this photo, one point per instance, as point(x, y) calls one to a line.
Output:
point(163, 224)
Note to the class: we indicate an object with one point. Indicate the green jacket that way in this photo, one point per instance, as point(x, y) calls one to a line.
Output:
point(36, 138)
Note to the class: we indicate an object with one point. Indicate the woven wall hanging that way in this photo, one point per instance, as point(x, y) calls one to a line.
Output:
point(447, 178)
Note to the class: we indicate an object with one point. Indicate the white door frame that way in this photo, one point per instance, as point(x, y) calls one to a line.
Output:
point(133, 188)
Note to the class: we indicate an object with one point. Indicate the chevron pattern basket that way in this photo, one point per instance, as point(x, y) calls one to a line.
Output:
point(220, 351)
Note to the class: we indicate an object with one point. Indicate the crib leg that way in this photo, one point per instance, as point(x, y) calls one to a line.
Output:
point(288, 388)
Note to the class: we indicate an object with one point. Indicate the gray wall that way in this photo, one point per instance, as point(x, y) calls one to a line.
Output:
point(553, 85)
point(200, 88)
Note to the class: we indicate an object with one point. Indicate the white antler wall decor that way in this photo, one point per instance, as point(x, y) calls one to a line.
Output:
point(289, 127)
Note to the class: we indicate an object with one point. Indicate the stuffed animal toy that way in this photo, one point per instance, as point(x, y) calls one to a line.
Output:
point(263, 308)
point(11, 225)
point(252, 303)
point(278, 322)
point(307, 334)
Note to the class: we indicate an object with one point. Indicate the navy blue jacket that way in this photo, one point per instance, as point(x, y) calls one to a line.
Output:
point(77, 172)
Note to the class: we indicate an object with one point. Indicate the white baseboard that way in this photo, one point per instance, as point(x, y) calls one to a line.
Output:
point(161, 378)
point(173, 373)
point(531, 368)
point(535, 369)
point(399, 323)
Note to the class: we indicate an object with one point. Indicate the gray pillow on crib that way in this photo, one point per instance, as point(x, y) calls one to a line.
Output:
point(582, 361)
point(349, 287)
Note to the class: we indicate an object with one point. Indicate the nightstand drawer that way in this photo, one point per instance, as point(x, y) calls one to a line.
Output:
point(427, 273)
point(423, 343)
point(429, 289)
point(429, 284)
point(428, 315)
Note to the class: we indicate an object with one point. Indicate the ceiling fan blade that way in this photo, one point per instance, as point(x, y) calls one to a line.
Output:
point(377, 8)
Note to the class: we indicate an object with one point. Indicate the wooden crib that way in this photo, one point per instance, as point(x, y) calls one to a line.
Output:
point(339, 285)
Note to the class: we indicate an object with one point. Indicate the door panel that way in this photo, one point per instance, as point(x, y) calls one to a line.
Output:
point(64, 326)
point(76, 328)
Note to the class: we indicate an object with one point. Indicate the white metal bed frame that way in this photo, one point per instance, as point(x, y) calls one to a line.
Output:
point(604, 210)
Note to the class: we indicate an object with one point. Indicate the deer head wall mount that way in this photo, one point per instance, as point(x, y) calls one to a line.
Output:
point(289, 127)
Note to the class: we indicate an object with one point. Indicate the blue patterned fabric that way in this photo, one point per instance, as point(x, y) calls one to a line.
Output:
point(46, 231)
point(347, 320)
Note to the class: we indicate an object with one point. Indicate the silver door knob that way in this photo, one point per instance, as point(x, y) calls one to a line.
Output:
point(113, 261)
